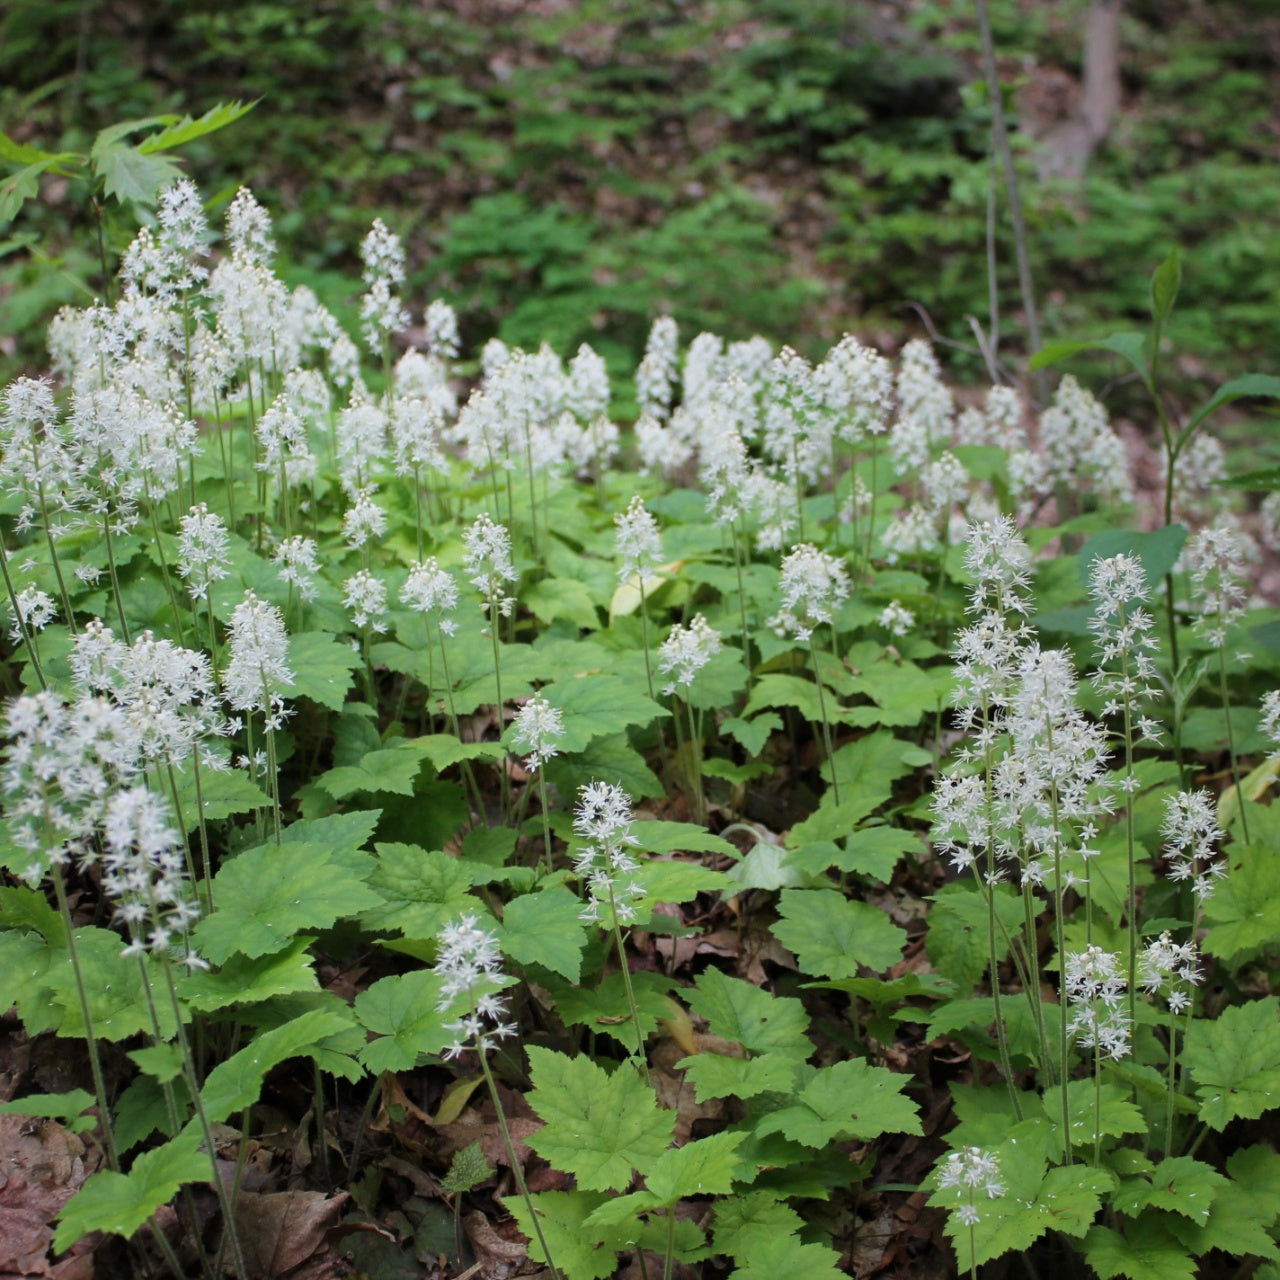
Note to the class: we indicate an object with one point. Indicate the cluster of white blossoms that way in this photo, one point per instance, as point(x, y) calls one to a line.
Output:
point(488, 560)
point(381, 310)
point(204, 550)
point(429, 589)
point(1216, 560)
point(537, 729)
point(365, 598)
point(638, 543)
point(814, 585)
point(258, 668)
point(71, 795)
point(144, 871)
point(1095, 989)
point(1123, 638)
point(685, 652)
point(295, 561)
point(470, 963)
point(1191, 835)
point(167, 692)
point(1171, 968)
point(974, 1173)
point(605, 863)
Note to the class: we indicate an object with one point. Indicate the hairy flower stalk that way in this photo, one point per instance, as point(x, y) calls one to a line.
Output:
point(606, 867)
point(1126, 676)
point(469, 962)
point(538, 729)
point(814, 585)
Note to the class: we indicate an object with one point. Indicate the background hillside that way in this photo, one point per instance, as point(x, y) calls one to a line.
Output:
point(567, 168)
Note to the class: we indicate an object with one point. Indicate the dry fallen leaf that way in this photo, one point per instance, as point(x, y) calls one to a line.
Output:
point(42, 1166)
point(280, 1230)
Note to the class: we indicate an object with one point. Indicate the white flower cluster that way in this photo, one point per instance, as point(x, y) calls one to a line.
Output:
point(144, 870)
point(605, 863)
point(470, 964)
point(1216, 560)
point(814, 585)
point(1095, 988)
point(537, 729)
point(1191, 834)
point(1170, 967)
point(488, 560)
point(974, 1172)
point(1123, 637)
point(381, 310)
point(258, 667)
point(204, 550)
point(431, 589)
point(638, 543)
point(685, 652)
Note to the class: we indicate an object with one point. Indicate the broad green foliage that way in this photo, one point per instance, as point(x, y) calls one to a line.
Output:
point(599, 1126)
point(349, 755)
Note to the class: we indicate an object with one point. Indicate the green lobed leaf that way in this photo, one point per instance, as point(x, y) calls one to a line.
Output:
point(552, 598)
point(188, 129)
point(598, 706)
point(393, 768)
point(606, 1009)
point(1179, 1184)
point(129, 175)
point(224, 792)
point(958, 941)
point(716, 1075)
point(1244, 911)
point(421, 891)
point(744, 1013)
point(113, 990)
point(706, 1167)
point(581, 1252)
point(322, 667)
point(850, 1099)
point(68, 1107)
point(244, 980)
point(119, 1203)
point(680, 837)
point(545, 928)
point(401, 1012)
point(1234, 1061)
point(747, 1221)
point(269, 894)
point(775, 1256)
point(752, 734)
point(1147, 1250)
point(833, 936)
point(596, 1126)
